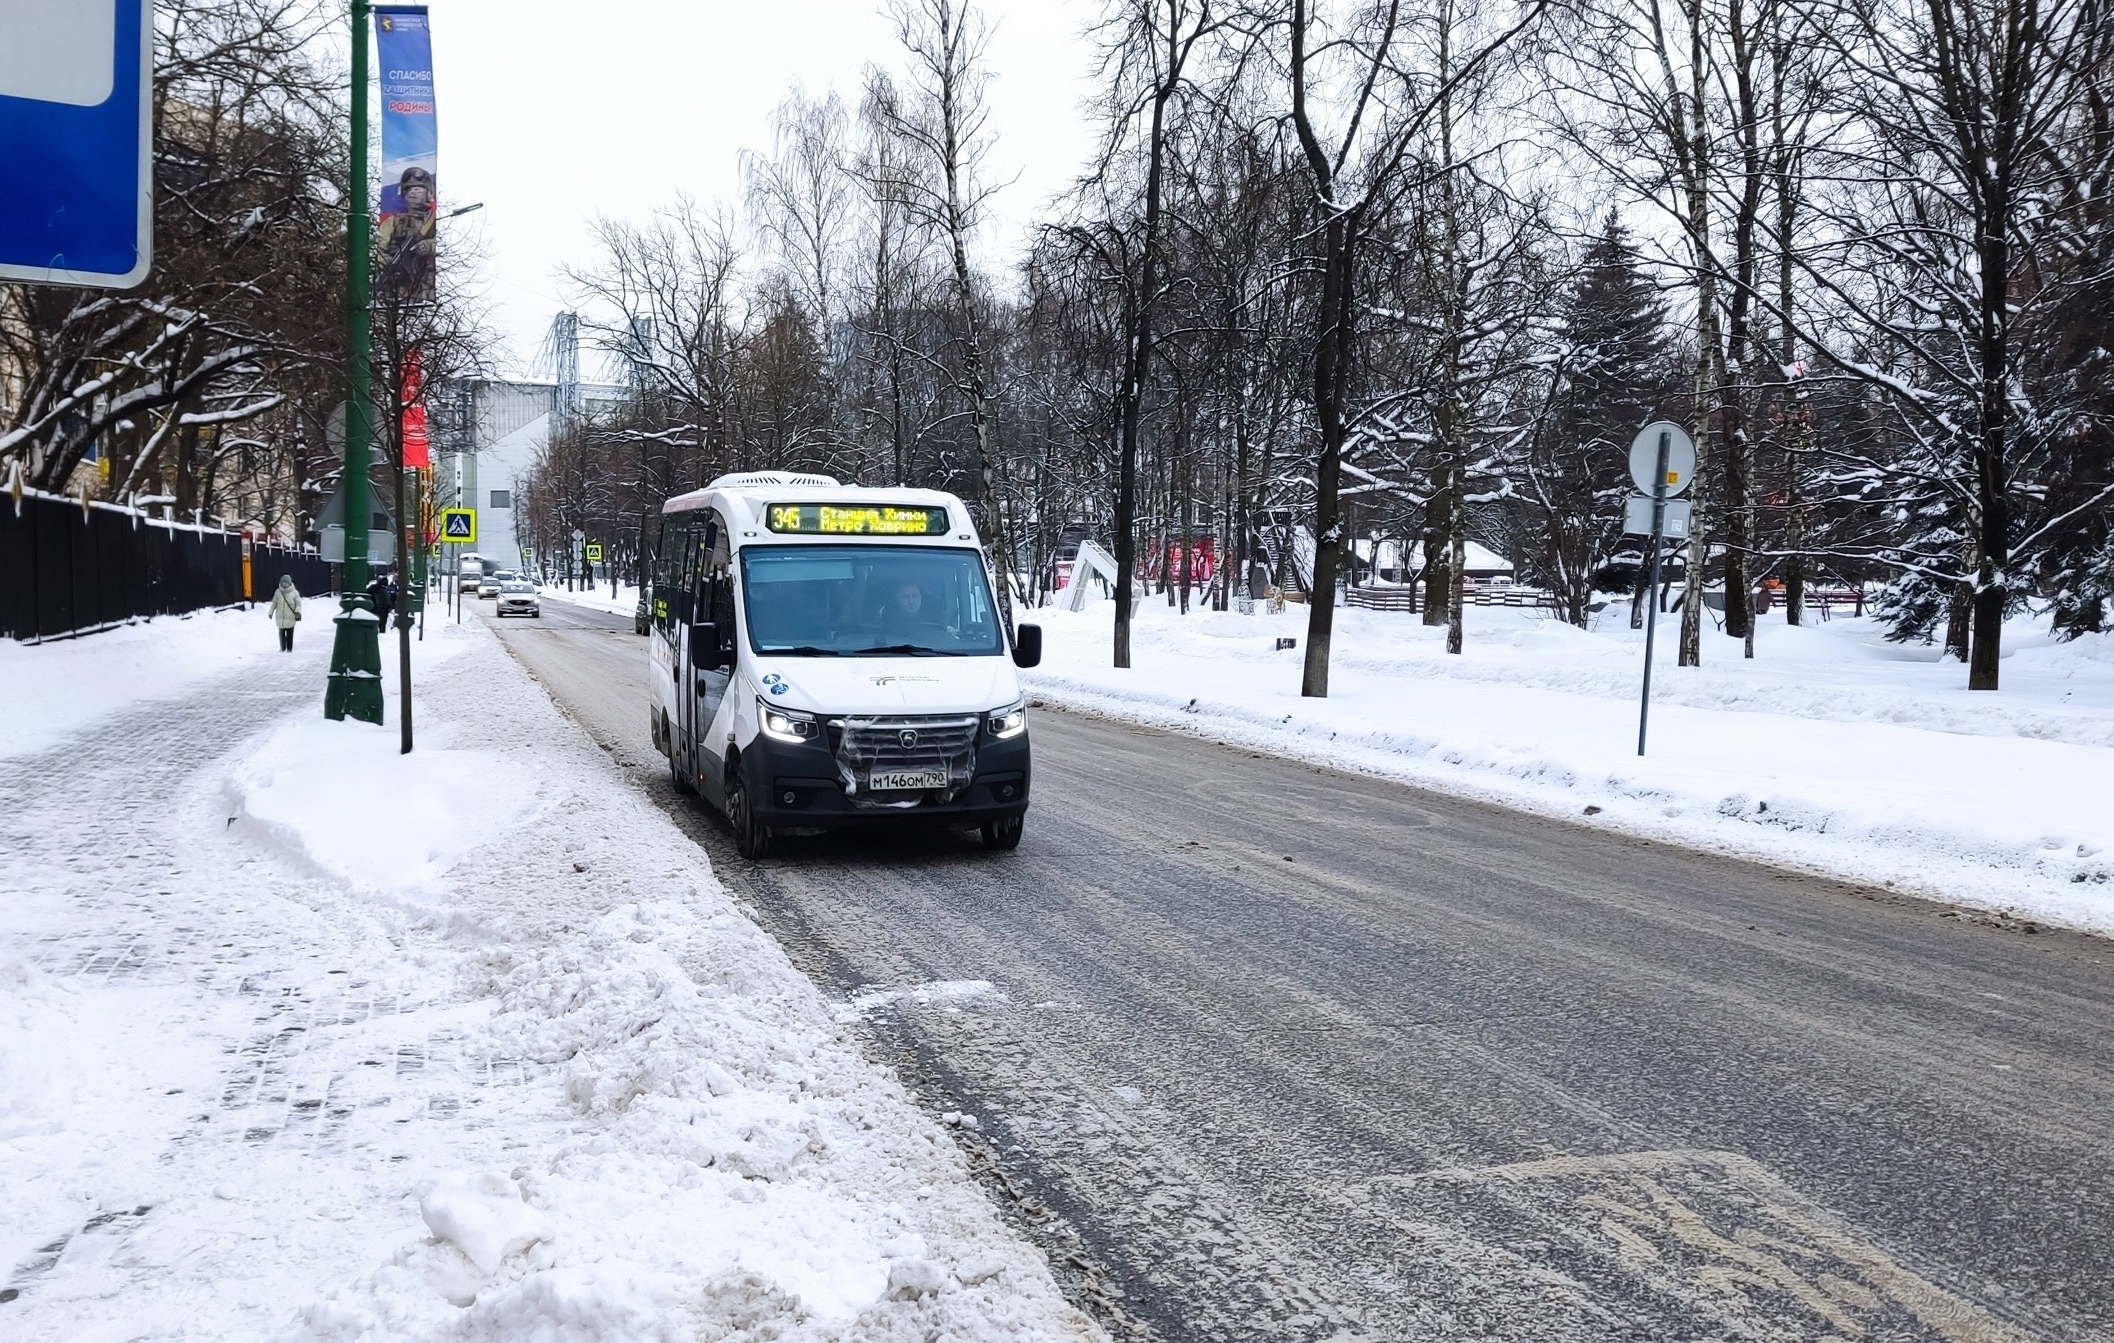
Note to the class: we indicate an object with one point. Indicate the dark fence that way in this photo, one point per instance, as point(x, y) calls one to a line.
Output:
point(1409, 597)
point(65, 569)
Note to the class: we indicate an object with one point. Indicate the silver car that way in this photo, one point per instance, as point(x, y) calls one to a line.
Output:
point(517, 597)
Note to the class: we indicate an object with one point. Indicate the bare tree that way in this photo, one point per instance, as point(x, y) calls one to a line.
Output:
point(944, 123)
point(1147, 48)
point(1965, 105)
point(1358, 168)
point(801, 196)
point(206, 370)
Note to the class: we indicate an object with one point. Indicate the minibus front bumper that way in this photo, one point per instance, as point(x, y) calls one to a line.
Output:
point(800, 784)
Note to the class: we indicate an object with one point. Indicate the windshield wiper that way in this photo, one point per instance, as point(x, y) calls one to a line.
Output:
point(904, 650)
point(805, 651)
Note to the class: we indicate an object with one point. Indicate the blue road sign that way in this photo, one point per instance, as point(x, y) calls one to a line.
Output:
point(76, 139)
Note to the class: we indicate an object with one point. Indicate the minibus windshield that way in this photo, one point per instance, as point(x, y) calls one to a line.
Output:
point(868, 601)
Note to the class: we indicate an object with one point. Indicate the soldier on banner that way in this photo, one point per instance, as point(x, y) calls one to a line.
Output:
point(406, 242)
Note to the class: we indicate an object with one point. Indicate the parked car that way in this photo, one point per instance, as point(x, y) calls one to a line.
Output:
point(517, 597)
point(642, 615)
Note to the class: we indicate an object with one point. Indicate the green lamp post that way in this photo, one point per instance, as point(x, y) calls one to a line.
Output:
point(356, 657)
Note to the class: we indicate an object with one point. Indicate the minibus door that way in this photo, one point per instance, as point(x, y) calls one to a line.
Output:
point(700, 539)
point(713, 677)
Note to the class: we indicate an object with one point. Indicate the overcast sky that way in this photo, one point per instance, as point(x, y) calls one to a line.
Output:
point(551, 113)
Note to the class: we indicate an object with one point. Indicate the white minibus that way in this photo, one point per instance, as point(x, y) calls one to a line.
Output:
point(827, 655)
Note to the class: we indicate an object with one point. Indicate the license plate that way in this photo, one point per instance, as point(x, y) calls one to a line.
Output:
point(905, 780)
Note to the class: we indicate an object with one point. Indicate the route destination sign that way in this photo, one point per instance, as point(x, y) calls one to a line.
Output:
point(857, 519)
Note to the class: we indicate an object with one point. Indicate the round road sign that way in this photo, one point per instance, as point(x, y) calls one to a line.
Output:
point(1680, 457)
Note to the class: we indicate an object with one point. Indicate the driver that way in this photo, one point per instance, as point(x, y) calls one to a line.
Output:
point(905, 613)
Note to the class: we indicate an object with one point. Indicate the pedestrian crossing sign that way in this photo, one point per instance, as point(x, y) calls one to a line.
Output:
point(458, 526)
point(594, 554)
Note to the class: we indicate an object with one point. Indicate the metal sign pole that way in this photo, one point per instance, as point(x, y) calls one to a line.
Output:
point(1651, 591)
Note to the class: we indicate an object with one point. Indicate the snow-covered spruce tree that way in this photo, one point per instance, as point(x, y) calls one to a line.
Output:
point(1615, 372)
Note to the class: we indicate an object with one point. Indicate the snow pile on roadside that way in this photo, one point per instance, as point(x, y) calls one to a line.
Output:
point(733, 1164)
point(567, 1092)
point(49, 690)
point(1832, 751)
point(340, 795)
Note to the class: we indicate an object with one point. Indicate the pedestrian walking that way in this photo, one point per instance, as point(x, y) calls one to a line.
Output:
point(286, 611)
point(381, 594)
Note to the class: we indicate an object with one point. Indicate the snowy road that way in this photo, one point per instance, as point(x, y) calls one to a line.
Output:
point(1264, 1052)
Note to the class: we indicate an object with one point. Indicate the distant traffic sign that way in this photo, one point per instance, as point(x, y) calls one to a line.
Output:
point(458, 526)
point(1680, 457)
point(594, 553)
point(76, 138)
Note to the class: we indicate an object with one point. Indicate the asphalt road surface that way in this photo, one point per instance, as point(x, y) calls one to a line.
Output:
point(1258, 1051)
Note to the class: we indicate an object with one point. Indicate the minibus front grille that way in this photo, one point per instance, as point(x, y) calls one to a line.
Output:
point(905, 742)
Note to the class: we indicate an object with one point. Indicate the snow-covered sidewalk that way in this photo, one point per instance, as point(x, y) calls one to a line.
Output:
point(300, 1038)
point(51, 690)
point(1833, 751)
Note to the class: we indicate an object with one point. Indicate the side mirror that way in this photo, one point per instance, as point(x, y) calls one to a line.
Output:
point(1027, 646)
point(705, 654)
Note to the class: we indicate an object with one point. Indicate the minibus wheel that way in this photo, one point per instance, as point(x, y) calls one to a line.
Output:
point(1003, 833)
point(752, 838)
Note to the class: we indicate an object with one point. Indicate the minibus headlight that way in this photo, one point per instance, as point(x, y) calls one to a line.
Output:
point(1010, 721)
point(786, 724)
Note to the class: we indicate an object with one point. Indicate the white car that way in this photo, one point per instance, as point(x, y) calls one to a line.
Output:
point(517, 597)
point(494, 580)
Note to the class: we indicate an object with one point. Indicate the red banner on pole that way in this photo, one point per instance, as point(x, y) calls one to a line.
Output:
point(418, 447)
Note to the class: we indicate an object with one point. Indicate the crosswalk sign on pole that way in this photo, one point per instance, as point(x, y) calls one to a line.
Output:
point(458, 526)
point(76, 138)
point(594, 554)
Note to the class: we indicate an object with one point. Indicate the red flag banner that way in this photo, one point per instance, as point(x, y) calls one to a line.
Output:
point(418, 446)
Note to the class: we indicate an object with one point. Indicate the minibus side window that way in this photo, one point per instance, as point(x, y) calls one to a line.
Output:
point(720, 610)
point(675, 538)
point(692, 576)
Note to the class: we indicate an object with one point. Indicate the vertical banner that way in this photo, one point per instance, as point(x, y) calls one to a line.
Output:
point(418, 444)
point(404, 248)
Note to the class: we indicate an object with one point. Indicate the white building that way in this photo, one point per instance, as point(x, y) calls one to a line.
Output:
point(494, 432)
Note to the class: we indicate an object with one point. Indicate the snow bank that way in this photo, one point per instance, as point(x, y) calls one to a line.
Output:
point(625, 603)
point(340, 794)
point(50, 690)
point(1832, 751)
